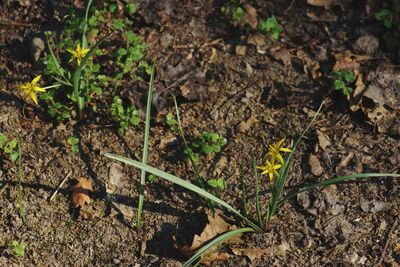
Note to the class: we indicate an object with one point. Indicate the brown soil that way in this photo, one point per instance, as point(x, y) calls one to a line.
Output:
point(218, 88)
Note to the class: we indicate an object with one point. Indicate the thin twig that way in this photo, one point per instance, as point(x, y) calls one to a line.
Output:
point(3, 189)
point(59, 186)
point(383, 254)
point(15, 24)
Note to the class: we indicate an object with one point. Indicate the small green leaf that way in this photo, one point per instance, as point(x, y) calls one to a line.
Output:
point(271, 23)
point(347, 90)
point(216, 148)
point(95, 67)
point(118, 24)
point(131, 8)
point(112, 7)
point(152, 178)
point(3, 140)
point(238, 14)
point(121, 52)
point(217, 183)
point(14, 156)
point(339, 85)
point(349, 76)
point(196, 143)
point(207, 149)
point(214, 137)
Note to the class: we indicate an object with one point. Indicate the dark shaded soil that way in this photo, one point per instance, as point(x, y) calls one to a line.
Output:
point(275, 87)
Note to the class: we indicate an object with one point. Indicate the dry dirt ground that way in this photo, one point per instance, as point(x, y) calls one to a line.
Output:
point(228, 79)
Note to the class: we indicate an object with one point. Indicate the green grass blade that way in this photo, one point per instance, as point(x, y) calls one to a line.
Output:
point(284, 171)
point(183, 183)
point(244, 189)
point(257, 188)
point(335, 180)
point(196, 169)
point(145, 146)
point(84, 38)
point(214, 242)
point(60, 70)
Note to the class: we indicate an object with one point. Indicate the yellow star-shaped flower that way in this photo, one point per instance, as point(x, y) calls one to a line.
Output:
point(270, 168)
point(78, 54)
point(31, 88)
point(275, 149)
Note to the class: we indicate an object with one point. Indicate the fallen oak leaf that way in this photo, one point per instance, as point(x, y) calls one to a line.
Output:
point(80, 192)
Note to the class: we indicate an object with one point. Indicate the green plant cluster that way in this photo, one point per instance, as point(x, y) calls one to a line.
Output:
point(73, 141)
point(9, 147)
point(344, 81)
point(206, 143)
point(18, 248)
point(390, 17)
point(271, 26)
point(124, 116)
point(86, 82)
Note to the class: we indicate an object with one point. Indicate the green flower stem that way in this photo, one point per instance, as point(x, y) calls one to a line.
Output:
point(79, 95)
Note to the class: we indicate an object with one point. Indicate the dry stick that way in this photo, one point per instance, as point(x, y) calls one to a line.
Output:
point(59, 186)
point(387, 242)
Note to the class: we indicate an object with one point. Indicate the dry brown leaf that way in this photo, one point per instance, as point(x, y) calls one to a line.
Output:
point(329, 3)
point(322, 3)
point(252, 253)
point(323, 16)
point(396, 248)
point(216, 256)
point(258, 253)
point(250, 16)
point(309, 64)
point(214, 227)
point(244, 126)
point(323, 140)
point(80, 192)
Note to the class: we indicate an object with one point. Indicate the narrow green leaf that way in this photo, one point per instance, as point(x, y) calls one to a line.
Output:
point(85, 26)
point(243, 185)
point(257, 188)
point(146, 145)
point(336, 180)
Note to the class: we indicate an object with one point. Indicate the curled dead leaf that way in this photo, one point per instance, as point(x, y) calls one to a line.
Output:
point(80, 192)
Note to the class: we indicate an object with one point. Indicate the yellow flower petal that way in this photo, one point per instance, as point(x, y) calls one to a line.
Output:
point(39, 89)
point(275, 167)
point(34, 97)
point(36, 79)
point(71, 51)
